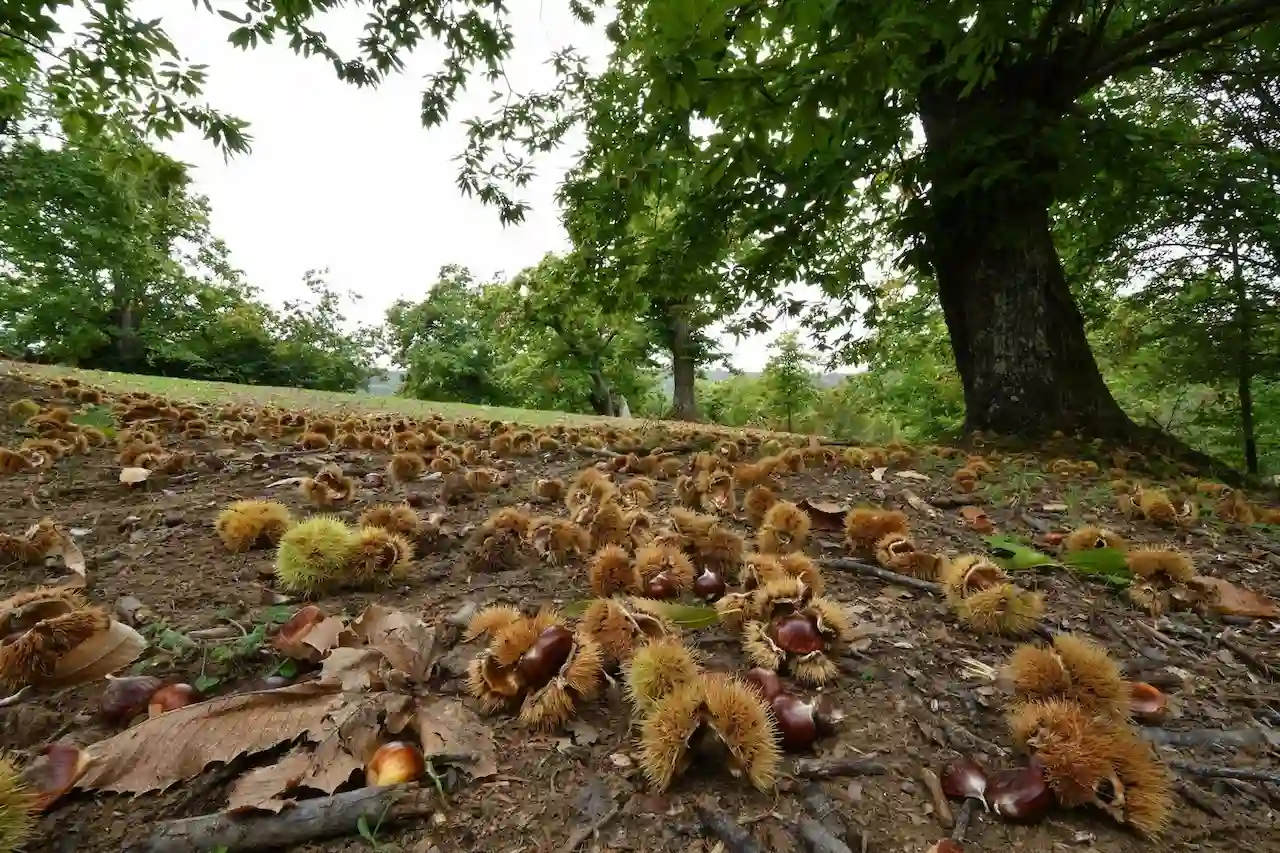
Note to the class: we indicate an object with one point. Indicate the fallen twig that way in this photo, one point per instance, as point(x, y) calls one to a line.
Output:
point(734, 838)
point(1208, 770)
point(962, 819)
point(827, 814)
point(817, 768)
point(1228, 639)
point(818, 839)
point(307, 820)
point(15, 698)
point(1199, 799)
point(953, 501)
point(1234, 738)
point(862, 568)
point(582, 833)
point(1159, 636)
point(940, 805)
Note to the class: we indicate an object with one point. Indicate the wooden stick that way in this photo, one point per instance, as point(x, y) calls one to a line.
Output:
point(826, 813)
point(816, 768)
point(1199, 799)
point(962, 820)
point(307, 820)
point(1204, 737)
point(883, 574)
point(1257, 663)
point(1209, 771)
point(734, 838)
point(585, 831)
point(818, 839)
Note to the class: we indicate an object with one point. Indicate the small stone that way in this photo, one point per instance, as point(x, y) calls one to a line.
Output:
point(173, 519)
point(620, 760)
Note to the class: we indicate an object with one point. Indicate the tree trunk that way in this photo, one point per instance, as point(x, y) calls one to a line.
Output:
point(1244, 360)
point(1018, 337)
point(684, 367)
point(601, 394)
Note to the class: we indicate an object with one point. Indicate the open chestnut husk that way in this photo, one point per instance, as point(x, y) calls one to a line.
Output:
point(546, 656)
point(708, 585)
point(127, 697)
point(1020, 794)
point(1147, 703)
point(662, 587)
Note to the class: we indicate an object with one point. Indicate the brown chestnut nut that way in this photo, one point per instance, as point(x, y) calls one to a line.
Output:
point(946, 845)
point(708, 585)
point(662, 587)
point(171, 697)
point(1147, 703)
point(126, 698)
point(1019, 794)
point(800, 723)
point(546, 656)
point(796, 634)
point(965, 778)
point(764, 680)
point(394, 764)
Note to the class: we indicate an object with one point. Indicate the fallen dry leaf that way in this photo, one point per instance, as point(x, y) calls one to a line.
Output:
point(97, 657)
point(912, 475)
point(1228, 599)
point(826, 514)
point(259, 789)
point(918, 504)
point(977, 518)
point(133, 476)
point(352, 668)
point(179, 744)
point(451, 733)
point(877, 474)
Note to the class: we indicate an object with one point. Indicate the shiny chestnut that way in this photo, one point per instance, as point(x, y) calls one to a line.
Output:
point(172, 697)
point(546, 656)
point(662, 587)
point(764, 680)
point(127, 697)
point(796, 633)
point(708, 585)
point(1019, 794)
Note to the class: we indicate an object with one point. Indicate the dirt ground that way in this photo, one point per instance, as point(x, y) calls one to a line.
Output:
point(903, 693)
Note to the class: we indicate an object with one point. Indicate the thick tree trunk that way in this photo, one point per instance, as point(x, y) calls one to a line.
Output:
point(1018, 337)
point(684, 368)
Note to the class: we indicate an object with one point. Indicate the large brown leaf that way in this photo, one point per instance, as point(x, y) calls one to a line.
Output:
point(178, 745)
point(1227, 599)
point(451, 733)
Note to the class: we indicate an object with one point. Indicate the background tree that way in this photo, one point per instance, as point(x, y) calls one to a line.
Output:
point(788, 378)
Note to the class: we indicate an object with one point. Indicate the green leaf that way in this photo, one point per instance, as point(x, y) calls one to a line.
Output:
point(98, 417)
point(1107, 564)
point(205, 683)
point(1013, 555)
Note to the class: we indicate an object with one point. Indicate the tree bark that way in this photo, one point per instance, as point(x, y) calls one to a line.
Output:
point(601, 394)
point(684, 366)
point(1018, 336)
point(1244, 373)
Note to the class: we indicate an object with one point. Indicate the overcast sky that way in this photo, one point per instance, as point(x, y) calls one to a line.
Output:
point(348, 179)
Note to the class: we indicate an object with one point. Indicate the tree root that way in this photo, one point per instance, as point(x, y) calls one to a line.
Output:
point(307, 820)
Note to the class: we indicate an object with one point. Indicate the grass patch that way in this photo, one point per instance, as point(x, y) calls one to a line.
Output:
point(199, 391)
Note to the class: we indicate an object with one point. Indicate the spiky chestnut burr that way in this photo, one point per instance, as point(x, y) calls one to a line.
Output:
point(314, 554)
point(793, 630)
point(249, 524)
point(717, 721)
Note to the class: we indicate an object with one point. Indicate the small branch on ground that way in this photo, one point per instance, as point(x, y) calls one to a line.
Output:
point(1230, 738)
point(726, 830)
point(1209, 771)
point(817, 768)
point(585, 831)
point(967, 809)
point(307, 820)
point(827, 815)
point(818, 839)
point(1199, 798)
point(953, 501)
point(1227, 639)
point(862, 568)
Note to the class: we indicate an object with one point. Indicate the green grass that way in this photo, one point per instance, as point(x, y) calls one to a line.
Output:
point(198, 391)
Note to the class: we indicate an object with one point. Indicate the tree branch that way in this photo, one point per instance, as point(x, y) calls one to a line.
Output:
point(1197, 27)
point(1060, 11)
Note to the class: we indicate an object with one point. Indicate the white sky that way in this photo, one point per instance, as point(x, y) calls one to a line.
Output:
point(349, 179)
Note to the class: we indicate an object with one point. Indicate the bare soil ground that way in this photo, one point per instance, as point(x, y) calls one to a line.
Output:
point(903, 692)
